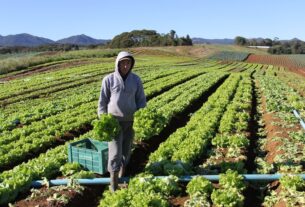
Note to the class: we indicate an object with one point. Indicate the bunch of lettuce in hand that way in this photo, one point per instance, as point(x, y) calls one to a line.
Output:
point(106, 128)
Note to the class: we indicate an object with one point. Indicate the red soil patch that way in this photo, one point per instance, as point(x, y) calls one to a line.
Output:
point(270, 59)
point(276, 60)
point(42, 201)
point(278, 189)
point(272, 132)
point(280, 204)
point(76, 199)
point(178, 201)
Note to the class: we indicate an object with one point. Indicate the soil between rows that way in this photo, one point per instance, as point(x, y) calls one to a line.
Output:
point(75, 133)
point(252, 193)
point(138, 159)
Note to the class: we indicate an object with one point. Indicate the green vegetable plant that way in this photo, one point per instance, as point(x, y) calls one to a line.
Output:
point(292, 192)
point(200, 185)
point(294, 183)
point(231, 179)
point(143, 190)
point(230, 191)
point(197, 200)
point(106, 128)
point(70, 168)
point(227, 198)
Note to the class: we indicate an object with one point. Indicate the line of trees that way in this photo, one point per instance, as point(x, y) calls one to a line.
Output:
point(143, 38)
point(253, 42)
point(294, 46)
point(41, 48)
point(135, 38)
point(288, 47)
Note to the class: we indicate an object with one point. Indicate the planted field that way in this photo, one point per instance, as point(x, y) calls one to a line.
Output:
point(230, 56)
point(299, 60)
point(293, 62)
point(280, 60)
point(203, 117)
point(12, 64)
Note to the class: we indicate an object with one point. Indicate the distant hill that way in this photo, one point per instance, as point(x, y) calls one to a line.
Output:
point(28, 40)
point(294, 39)
point(81, 40)
point(23, 39)
point(198, 40)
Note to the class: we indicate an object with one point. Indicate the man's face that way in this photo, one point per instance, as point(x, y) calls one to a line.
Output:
point(124, 66)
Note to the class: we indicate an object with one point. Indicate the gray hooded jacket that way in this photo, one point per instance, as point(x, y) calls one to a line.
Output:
point(121, 98)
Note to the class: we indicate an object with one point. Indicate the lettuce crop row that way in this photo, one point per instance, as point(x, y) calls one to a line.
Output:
point(75, 97)
point(188, 143)
point(19, 179)
point(143, 190)
point(34, 138)
point(280, 101)
point(169, 81)
point(290, 193)
point(232, 141)
point(49, 80)
point(228, 193)
point(160, 110)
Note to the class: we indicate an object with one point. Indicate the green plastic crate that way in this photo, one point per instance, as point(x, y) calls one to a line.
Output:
point(91, 154)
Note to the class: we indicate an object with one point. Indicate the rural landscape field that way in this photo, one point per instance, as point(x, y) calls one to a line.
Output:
point(211, 110)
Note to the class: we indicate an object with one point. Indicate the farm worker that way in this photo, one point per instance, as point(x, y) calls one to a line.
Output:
point(122, 94)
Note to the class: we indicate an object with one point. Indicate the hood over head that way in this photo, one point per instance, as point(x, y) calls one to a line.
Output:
point(123, 55)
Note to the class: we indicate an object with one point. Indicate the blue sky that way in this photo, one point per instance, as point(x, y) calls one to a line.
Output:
point(56, 19)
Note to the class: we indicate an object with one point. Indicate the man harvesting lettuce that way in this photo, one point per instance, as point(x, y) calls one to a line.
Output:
point(122, 94)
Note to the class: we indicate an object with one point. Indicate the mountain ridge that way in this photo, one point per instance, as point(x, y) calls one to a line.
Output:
point(28, 40)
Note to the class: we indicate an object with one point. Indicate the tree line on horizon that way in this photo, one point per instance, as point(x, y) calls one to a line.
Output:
point(135, 38)
point(294, 46)
point(148, 38)
point(41, 48)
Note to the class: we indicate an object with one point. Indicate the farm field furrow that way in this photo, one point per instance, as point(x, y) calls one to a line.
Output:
point(22, 142)
point(227, 114)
